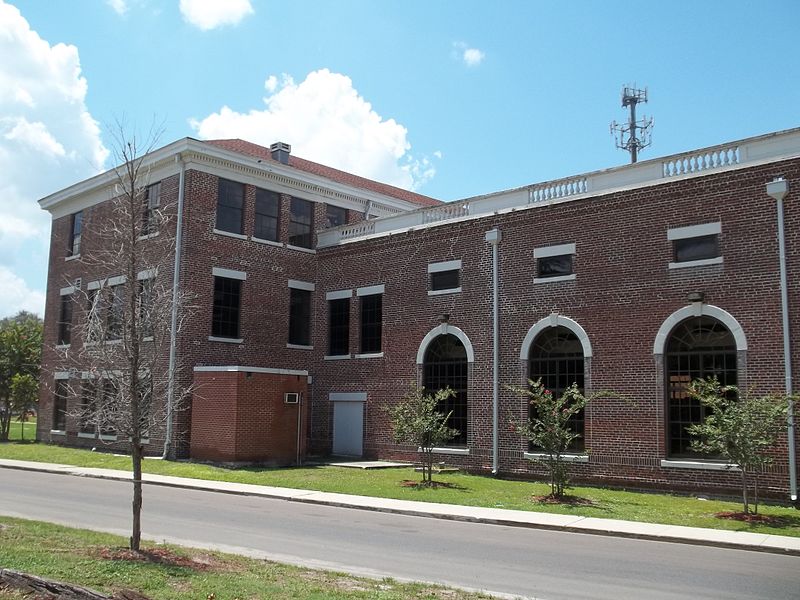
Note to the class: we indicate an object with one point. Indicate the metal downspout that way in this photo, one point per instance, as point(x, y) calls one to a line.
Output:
point(493, 237)
point(173, 340)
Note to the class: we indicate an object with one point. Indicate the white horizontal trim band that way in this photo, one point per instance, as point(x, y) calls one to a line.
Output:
point(681, 233)
point(546, 251)
point(229, 273)
point(339, 295)
point(238, 236)
point(371, 290)
point(717, 260)
point(441, 292)
point(569, 277)
point(302, 285)
point(240, 369)
point(449, 265)
point(699, 464)
point(214, 338)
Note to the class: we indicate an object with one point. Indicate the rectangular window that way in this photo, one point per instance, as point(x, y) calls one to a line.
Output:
point(339, 327)
point(74, 248)
point(230, 206)
point(227, 300)
point(300, 223)
point(335, 216)
point(445, 280)
point(151, 202)
point(371, 323)
point(299, 317)
point(65, 321)
point(86, 417)
point(93, 322)
point(268, 205)
point(115, 312)
point(146, 307)
point(108, 407)
point(695, 248)
point(60, 405)
point(554, 266)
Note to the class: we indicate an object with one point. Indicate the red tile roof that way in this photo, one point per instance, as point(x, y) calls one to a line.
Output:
point(251, 149)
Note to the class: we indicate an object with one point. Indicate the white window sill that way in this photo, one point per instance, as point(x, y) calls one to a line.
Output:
point(299, 347)
point(453, 451)
point(213, 338)
point(73, 257)
point(570, 277)
point(149, 338)
point(86, 436)
point(370, 355)
point(149, 236)
point(696, 263)
point(57, 432)
point(112, 342)
point(238, 236)
point(442, 292)
point(266, 242)
point(62, 346)
point(108, 438)
point(301, 249)
point(698, 464)
point(338, 357)
point(570, 458)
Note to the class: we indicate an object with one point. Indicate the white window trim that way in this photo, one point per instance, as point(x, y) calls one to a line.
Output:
point(302, 285)
point(370, 355)
point(147, 274)
point(299, 347)
point(108, 438)
point(61, 375)
point(717, 260)
point(246, 369)
point(62, 346)
point(449, 265)
point(95, 285)
point(347, 396)
point(214, 338)
point(569, 457)
point(238, 236)
point(570, 277)
point(339, 295)
point(442, 292)
point(229, 273)
point(548, 251)
point(148, 236)
point(259, 240)
point(682, 233)
point(118, 280)
point(301, 249)
point(72, 257)
point(371, 290)
point(698, 464)
point(337, 357)
point(66, 291)
point(57, 432)
point(445, 450)
point(86, 436)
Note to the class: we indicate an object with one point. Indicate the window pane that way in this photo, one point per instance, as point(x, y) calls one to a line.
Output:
point(115, 312)
point(445, 280)
point(335, 216)
point(225, 316)
point(445, 365)
point(75, 234)
point(267, 211)
point(371, 323)
point(555, 266)
point(696, 248)
point(299, 317)
point(60, 406)
point(86, 416)
point(65, 321)
point(300, 223)
point(151, 202)
point(230, 201)
point(339, 327)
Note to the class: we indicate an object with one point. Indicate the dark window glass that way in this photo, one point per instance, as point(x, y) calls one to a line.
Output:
point(229, 206)
point(335, 216)
point(116, 312)
point(299, 317)
point(108, 407)
point(268, 206)
point(445, 280)
point(445, 365)
point(146, 306)
point(300, 223)
point(339, 327)
point(65, 321)
point(151, 204)
point(371, 323)
point(93, 322)
point(556, 357)
point(86, 417)
point(697, 348)
point(227, 300)
point(60, 405)
point(74, 247)
point(145, 405)
point(696, 248)
point(554, 266)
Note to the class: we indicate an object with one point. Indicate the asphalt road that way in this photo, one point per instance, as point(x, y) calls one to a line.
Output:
point(518, 561)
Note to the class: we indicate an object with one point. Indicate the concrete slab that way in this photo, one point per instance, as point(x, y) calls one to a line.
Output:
point(369, 464)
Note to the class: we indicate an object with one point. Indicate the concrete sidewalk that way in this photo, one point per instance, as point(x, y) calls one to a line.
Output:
point(499, 516)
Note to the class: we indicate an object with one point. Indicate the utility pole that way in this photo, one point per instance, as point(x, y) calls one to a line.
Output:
point(633, 135)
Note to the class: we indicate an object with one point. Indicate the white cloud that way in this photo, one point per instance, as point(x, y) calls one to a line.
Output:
point(48, 140)
point(326, 120)
point(472, 57)
point(119, 6)
point(210, 14)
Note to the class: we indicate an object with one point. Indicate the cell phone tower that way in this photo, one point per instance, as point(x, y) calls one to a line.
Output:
point(633, 135)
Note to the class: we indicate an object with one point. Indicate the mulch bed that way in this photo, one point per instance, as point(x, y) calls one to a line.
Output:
point(162, 556)
point(751, 518)
point(410, 483)
point(564, 500)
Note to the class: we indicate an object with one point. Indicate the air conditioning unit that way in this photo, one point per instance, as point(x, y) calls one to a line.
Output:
point(291, 398)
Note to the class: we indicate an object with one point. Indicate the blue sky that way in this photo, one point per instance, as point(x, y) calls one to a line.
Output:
point(452, 98)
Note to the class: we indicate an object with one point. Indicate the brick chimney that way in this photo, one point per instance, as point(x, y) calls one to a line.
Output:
point(280, 152)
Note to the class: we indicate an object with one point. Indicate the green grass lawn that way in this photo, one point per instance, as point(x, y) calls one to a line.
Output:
point(96, 560)
point(18, 431)
point(469, 490)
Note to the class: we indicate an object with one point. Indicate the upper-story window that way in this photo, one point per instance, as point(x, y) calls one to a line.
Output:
point(335, 216)
point(301, 223)
point(300, 316)
point(371, 320)
point(116, 311)
point(65, 320)
point(445, 277)
point(554, 263)
point(76, 225)
point(338, 326)
point(268, 206)
point(151, 204)
point(230, 203)
point(227, 303)
point(696, 245)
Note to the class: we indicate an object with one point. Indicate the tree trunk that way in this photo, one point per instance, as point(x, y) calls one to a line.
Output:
point(755, 494)
point(136, 532)
point(744, 492)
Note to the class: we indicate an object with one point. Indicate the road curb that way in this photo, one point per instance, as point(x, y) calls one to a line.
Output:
point(308, 498)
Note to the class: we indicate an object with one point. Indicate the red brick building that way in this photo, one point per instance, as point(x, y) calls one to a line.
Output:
point(338, 292)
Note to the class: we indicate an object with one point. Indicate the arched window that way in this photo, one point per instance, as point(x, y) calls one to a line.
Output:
point(696, 348)
point(445, 365)
point(556, 357)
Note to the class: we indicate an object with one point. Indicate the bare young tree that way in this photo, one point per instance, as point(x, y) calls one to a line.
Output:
point(128, 388)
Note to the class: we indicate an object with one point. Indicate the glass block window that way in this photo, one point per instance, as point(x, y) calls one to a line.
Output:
point(335, 216)
point(339, 326)
point(227, 301)
point(76, 227)
point(230, 206)
point(299, 317)
point(268, 207)
point(556, 357)
point(371, 323)
point(697, 348)
point(445, 365)
point(301, 220)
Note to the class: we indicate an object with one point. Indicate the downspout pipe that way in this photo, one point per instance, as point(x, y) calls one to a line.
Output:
point(493, 237)
point(173, 337)
point(777, 190)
